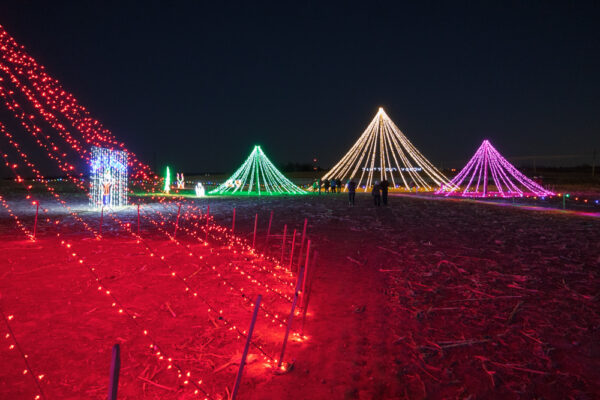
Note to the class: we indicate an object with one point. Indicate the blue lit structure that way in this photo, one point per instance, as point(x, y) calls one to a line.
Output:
point(108, 178)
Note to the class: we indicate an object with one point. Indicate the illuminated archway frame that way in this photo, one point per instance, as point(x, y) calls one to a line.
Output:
point(383, 152)
point(108, 177)
point(485, 163)
point(257, 177)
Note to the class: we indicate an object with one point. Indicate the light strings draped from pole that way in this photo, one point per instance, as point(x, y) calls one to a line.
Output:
point(473, 179)
point(256, 177)
point(383, 152)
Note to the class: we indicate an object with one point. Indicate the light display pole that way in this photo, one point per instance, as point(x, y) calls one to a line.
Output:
point(473, 179)
point(382, 152)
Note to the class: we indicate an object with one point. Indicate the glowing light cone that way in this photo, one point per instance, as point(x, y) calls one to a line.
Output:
point(506, 181)
point(383, 152)
point(257, 177)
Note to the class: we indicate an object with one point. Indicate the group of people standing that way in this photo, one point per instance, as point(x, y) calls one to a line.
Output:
point(379, 191)
point(334, 184)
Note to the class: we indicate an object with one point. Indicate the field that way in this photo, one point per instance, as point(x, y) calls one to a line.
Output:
point(420, 299)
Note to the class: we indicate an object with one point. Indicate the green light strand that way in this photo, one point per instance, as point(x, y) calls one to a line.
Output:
point(257, 176)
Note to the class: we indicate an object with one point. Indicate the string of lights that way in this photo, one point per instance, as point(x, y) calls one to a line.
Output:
point(10, 336)
point(188, 288)
point(253, 279)
point(240, 245)
point(59, 99)
point(257, 176)
point(274, 317)
point(369, 159)
point(121, 309)
point(152, 253)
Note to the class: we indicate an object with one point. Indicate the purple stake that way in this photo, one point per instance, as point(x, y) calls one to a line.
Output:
point(138, 207)
point(238, 378)
point(115, 367)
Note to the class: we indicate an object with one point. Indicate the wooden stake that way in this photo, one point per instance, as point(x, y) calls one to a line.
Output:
point(238, 378)
point(177, 221)
point(283, 243)
point(305, 275)
point(287, 329)
point(308, 291)
point(302, 243)
point(292, 250)
point(255, 223)
point(37, 209)
point(115, 367)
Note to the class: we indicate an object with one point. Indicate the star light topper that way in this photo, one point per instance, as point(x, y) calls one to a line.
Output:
point(257, 176)
point(383, 152)
point(507, 181)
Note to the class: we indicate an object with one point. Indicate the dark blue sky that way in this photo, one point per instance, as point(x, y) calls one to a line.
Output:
point(201, 83)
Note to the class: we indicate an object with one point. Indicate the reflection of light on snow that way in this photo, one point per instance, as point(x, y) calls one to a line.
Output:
point(200, 192)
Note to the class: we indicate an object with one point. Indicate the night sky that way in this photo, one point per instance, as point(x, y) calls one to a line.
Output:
point(200, 84)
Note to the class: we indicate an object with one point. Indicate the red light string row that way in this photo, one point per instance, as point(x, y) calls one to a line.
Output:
point(28, 370)
point(188, 288)
point(275, 318)
point(252, 279)
point(58, 99)
point(35, 131)
point(121, 309)
point(41, 178)
point(49, 117)
point(151, 253)
point(232, 241)
point(17, 220)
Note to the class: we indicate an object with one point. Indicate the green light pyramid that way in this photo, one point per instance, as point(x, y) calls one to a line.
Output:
point(257, 177)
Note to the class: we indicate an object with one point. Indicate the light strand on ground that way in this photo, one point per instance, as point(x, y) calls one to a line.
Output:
point(10, 335)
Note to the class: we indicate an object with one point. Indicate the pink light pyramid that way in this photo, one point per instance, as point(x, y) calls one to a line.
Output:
point(506, 181)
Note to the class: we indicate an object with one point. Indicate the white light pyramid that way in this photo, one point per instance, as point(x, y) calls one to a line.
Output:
point(257, 176)
point(383, 152)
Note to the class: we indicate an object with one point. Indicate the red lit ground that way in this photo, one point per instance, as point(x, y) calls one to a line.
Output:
point(422, 299)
